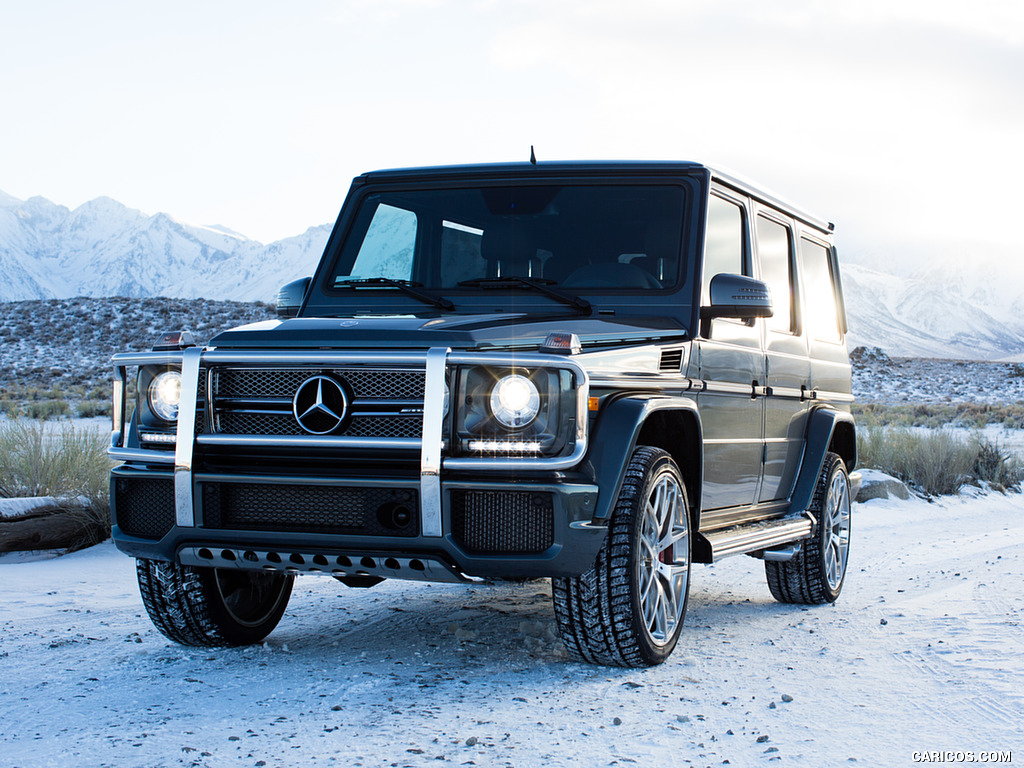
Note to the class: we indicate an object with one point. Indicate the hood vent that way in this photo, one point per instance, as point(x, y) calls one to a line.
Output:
point(671, 360)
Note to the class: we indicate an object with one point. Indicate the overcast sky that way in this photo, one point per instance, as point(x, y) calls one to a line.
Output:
point(902, 122)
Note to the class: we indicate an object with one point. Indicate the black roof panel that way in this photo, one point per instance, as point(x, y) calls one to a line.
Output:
point(526, 170)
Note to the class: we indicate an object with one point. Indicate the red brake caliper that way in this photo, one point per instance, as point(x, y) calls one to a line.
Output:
point(667, 555)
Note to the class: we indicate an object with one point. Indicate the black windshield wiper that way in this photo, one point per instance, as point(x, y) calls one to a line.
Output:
point(407, 286)
point(539, 284)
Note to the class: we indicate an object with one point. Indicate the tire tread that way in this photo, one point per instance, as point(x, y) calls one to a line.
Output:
point(801, 580)
point(176, 603)
point(179, 601)
point(594, 611)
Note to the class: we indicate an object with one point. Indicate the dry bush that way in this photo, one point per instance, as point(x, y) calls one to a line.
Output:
point(88, 409)
point(993, 464)
point(937, 462)
point(48, 409)
point(68, 464)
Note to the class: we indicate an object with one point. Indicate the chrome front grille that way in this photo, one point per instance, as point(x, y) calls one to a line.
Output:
point(366, 384)
point(243, 423)
point(258, 382)
point(383, 403)
point(384, 384)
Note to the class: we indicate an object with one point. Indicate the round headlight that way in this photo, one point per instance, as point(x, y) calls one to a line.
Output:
point(515, 401)
point(165, 394)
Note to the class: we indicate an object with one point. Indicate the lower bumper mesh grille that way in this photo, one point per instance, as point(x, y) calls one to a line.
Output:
point(245, 423)
point(503, 522)
point(144, 507)
point(311, 509)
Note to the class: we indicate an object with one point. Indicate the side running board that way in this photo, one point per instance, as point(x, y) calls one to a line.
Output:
point(757, 536)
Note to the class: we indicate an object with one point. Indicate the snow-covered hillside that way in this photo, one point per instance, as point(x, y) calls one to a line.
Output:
point(103, 248)
point(68, 342)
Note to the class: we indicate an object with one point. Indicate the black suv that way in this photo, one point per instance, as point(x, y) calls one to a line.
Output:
point(593, 372)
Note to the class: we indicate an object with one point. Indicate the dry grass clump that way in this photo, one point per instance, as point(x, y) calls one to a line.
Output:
point(993, 464)
point(938, 462)
point(69, 464)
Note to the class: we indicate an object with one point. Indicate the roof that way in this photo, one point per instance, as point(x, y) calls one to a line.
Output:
point(521, 170)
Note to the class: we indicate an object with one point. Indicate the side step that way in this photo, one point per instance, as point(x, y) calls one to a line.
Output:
point(757, 536)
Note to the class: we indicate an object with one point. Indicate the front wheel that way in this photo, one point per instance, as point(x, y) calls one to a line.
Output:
point(628, 609)
point(212, 606)
point(816, 574)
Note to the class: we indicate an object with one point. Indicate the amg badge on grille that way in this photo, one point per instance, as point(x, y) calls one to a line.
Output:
point(320, 405)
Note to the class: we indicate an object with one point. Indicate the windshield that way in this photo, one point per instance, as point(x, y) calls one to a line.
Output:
point(580, 238)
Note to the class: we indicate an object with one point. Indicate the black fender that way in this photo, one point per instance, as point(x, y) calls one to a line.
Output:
point(827, 429)
point(617, 433)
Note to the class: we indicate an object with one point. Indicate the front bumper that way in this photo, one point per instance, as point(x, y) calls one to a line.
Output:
point(509, 528)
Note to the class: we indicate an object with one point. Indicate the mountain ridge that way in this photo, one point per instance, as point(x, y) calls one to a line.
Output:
point(104, 248)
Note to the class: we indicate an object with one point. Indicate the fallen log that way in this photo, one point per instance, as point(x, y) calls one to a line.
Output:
point(67, 529)
point(27, 506)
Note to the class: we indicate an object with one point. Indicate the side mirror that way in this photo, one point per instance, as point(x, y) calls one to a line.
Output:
point(290, 297)
point(737, 297)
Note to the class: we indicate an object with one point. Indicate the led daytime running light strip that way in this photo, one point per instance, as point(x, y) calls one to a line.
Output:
point(505, 446)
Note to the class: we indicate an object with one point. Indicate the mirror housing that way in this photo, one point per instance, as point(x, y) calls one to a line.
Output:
point(290, 297)
point(737, 297)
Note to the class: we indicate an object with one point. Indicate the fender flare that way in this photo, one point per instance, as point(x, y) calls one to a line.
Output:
point(821, 428)
point(614, 439)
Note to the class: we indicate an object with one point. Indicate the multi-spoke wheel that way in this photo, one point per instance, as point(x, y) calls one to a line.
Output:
point(212, 606)
point(816, 574)
point(628, 609)
point(663, 562)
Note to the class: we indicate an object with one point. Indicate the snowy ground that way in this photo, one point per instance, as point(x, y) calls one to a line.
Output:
point(922, 652)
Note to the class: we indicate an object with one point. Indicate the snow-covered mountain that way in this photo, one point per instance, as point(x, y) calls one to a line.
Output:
point(103, 248)
point(945, 313)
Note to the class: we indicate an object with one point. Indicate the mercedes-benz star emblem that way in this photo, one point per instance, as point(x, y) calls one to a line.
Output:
point(320, 405)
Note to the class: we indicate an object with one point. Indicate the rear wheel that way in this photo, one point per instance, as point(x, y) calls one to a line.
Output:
point(628, 609)
point(816, 574)
point(212, 606)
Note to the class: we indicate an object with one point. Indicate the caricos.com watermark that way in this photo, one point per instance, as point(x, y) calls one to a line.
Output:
point(950, 756)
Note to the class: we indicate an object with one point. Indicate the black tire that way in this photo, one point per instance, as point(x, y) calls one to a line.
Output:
point(815, 576)
point(212, 606)
point(628, 609)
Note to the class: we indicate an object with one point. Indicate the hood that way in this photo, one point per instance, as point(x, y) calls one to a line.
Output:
point(466, 332)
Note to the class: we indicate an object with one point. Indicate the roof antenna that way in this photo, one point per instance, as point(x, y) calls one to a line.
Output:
point(533, 157)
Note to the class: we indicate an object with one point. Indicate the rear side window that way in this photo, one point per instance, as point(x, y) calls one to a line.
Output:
point(774, 246)
point(819, 291)
point(723, 248)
